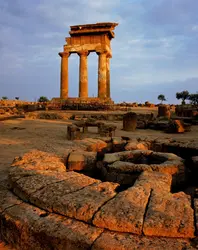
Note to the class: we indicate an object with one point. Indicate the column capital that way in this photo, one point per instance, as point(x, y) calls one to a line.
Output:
point(109, 55)
point(64, 54)
point(99, 52)
point(83, 53)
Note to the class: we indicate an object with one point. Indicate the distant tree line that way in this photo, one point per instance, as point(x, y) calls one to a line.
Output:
point(183, 95)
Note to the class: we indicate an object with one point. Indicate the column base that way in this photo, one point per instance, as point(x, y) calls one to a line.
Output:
point(91, 100)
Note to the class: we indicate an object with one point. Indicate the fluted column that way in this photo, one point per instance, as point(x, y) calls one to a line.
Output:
point(108, 76)
point(83, 74)
point(64, 86)
point(102, 75)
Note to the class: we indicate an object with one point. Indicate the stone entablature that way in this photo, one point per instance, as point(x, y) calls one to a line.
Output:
point(85, 39)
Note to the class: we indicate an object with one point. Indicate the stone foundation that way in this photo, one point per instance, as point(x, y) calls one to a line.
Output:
point(48, 206)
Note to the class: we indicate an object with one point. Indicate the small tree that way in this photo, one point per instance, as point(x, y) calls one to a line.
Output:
point(161, 98)
point(16, 98)
point(193, 98)
point(183, 95)
point(4, 98)
point(43, 99)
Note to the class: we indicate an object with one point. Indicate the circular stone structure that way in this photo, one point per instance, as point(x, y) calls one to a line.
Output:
point(124, 167)
point(49, 207)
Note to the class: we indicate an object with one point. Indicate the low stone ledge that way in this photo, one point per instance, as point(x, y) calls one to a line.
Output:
point(84, 203)
point(45, 196)
point(118, 241)
point(26, 186)
point(124, 213)
point(131, 145)
point(86, 199)
point(159, 182)
point(169, 215)
point(27, 227)
point(7, 199)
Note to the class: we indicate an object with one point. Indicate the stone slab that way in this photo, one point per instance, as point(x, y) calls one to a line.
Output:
point(27, 227)
point(47, 196)
point(84, 203)
point(154, 180)
point(118, 241)
point(38, 160)
point(124, 213)
point(25, 186)
point(169, 215)
point(7, 199)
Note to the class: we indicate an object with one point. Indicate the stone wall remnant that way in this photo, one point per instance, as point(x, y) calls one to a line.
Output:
point(130, 121)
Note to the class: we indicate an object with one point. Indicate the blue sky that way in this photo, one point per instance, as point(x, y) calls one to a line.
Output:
point(155, 50)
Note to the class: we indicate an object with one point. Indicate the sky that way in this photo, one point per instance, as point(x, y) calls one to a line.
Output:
point(155, 50)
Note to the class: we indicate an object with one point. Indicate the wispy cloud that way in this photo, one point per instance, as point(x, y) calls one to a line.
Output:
point(156, 43)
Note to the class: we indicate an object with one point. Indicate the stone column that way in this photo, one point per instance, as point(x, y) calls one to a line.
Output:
point(108, 76)
point(83, 74)
point(102, 75)
point(64, 88)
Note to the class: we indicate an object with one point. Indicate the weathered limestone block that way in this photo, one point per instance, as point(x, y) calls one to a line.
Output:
point(38, 160)
point(17, 172)
point(47, 196)
point(176, 126)
point(97, 145)
point(196, 214)
point(124, 213)
point(25, 186)
point(92, 145)
point(130, 121)
point(27, 227)
point(134, 145)
point(118, 241)
point(118, 156)
point(84, 203)
point(159, 182)
point(7, 199)
point(107, 130)
point(169, 215)
point(73, 132)
point(81, 161)
point(127, 167)
point(164, 111)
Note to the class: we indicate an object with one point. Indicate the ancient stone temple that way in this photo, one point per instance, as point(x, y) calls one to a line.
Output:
point(83, 40)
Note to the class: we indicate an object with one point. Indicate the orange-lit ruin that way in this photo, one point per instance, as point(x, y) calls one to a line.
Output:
point(84, 40)
point(84, 173)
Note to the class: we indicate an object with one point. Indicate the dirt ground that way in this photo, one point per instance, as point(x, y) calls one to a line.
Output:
point(21, 135)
